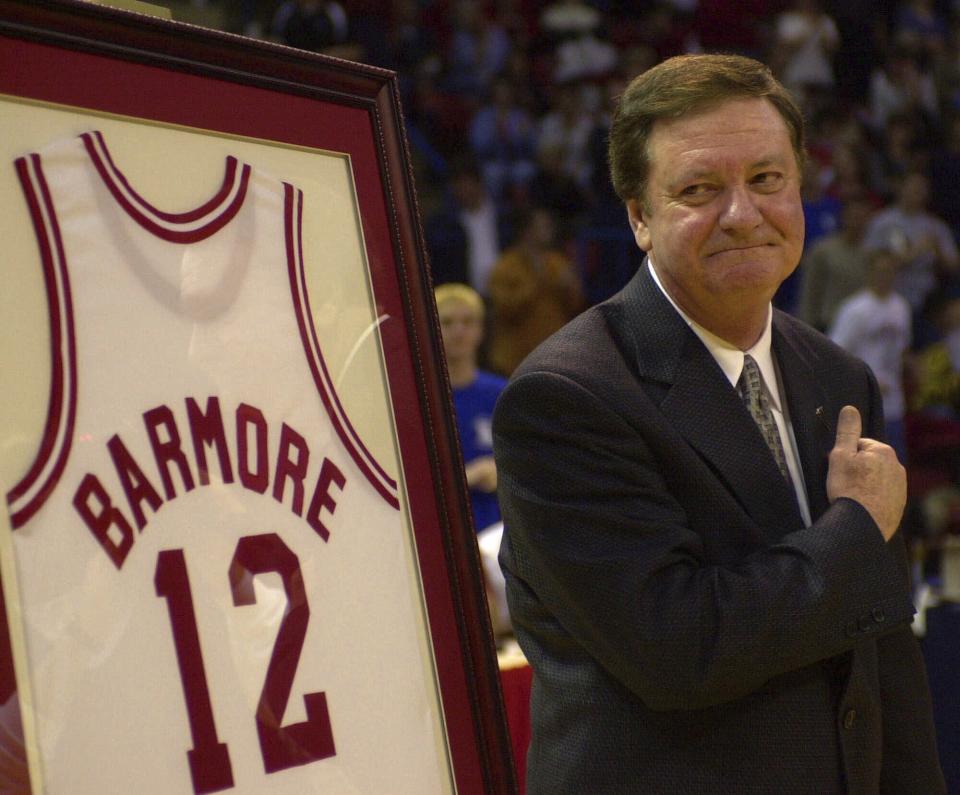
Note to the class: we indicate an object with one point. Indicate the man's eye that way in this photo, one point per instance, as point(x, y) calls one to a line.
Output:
point(696, 190)
point(768, 179)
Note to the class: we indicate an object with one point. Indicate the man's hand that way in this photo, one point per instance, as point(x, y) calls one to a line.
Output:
point(867, 471)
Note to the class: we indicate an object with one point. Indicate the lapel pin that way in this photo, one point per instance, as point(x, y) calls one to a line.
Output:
point(822, 418)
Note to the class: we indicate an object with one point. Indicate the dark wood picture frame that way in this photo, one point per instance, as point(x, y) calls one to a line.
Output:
point(77, 55)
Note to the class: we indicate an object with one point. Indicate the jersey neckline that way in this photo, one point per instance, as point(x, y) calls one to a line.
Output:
point(186, 227)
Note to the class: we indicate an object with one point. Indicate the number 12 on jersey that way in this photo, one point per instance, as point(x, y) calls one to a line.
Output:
point(281, 746)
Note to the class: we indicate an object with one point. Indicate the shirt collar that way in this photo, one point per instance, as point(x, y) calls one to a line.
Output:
point(730, 357)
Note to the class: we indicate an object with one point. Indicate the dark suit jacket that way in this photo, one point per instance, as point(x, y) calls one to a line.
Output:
point(687, 633)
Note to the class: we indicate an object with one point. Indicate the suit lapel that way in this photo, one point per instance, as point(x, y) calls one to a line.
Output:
point(706, 409)
point(807, 404)
point(698, 400)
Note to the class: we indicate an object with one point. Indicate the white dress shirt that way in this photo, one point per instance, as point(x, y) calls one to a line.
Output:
point(730, 359)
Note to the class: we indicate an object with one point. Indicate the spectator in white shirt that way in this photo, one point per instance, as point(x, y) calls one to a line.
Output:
point(874, 324)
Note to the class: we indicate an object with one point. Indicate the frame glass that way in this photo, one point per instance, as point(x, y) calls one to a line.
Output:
point(237, 552)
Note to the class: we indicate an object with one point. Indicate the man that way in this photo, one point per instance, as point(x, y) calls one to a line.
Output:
point(534, 289)
point(465, 236)
point(704, 611)
point(921, 240)
point(874, 325)
point(835, 266)
point(475, 392)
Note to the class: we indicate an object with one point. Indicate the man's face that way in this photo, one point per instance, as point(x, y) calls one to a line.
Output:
point(722, 219)
point(461, 329)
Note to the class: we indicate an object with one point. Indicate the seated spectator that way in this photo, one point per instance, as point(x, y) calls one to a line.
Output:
point(478, 51)
point(566, 129)
point(583, 59)
point(921, 240)
point(662, 27)
point(920, 26)
point(842, 142)
point(850, 175)
point(556, 191)
point(874, 324)
point(534, 290)
point(466, 235)
point(437, 121)
point(573, 32)
point(569, 19)
point(902, 148)
point(410, 43)
point(835, 267)
point(937, 367)
point(475, 393)
point(933, 422)
point(900, 85)
point(821, 211)
point(317, 25)
point(503, 139)
point(806, 38)
point(821, 217)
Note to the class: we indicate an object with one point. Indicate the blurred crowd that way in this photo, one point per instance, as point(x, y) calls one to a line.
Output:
point(507, 106)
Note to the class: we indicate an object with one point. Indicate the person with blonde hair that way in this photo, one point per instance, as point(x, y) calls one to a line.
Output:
point(475, 391)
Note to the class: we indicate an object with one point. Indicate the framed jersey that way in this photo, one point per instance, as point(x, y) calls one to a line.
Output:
point(235, 552)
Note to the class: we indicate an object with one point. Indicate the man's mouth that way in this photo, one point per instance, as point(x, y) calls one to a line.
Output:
point(745, 247)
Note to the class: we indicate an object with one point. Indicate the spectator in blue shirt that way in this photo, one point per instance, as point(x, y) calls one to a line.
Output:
point(475, 392)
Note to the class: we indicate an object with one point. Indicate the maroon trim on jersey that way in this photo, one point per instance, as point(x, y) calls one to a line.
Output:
point(88, 57)
point(319, 353)
point(163, 224)
point(51, 457)
point(175, 218)
point(293, 220)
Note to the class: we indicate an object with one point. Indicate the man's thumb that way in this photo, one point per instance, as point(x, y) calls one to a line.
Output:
point(849, 428)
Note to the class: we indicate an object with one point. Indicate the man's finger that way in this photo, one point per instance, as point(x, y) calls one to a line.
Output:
point(849, 428)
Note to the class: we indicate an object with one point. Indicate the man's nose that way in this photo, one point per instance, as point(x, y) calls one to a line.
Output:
point(740, 210)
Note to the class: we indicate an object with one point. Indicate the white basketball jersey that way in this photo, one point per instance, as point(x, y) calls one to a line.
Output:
point(210, 563)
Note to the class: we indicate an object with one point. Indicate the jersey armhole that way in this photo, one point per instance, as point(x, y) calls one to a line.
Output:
point(385, 485)
point(29, 495)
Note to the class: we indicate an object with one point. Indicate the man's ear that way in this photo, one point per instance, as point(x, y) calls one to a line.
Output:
point(640, 231)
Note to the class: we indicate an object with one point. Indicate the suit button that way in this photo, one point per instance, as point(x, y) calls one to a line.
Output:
point(849, 719)
point(865, 623)
point(878, 615)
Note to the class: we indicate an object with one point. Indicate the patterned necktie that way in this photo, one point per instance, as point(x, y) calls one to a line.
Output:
point(755, 399)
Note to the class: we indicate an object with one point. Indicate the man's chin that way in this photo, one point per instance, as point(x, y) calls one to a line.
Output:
point(749, 273)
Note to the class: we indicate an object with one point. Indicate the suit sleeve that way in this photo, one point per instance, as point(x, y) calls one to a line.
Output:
point(596, 536)
point(910, 761)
